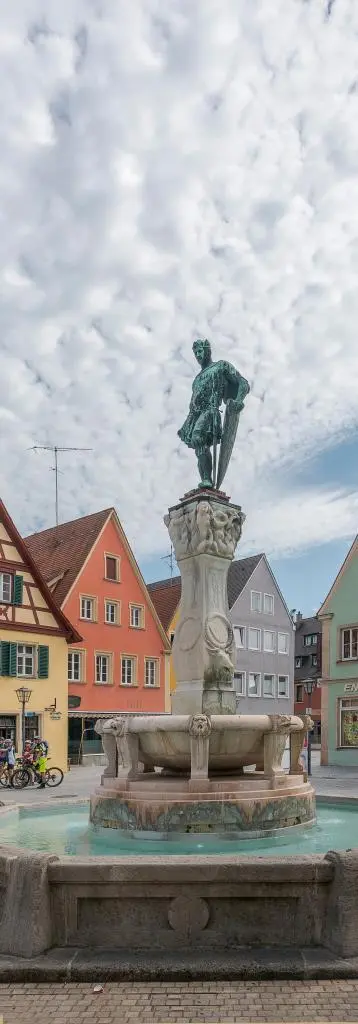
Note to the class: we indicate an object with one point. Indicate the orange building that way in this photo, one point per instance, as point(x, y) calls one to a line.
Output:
point(123, 662)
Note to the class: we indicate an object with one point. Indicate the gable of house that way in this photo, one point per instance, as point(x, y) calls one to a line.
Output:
point(339, 612)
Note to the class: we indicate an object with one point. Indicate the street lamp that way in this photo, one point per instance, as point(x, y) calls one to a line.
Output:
point(310, 686)
point(23, 695)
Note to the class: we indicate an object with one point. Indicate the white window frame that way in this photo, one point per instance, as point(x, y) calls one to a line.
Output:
point(6, 583)
point(242, 691)
point(103, 656)
point(270, 650)
point(136, 608)
point(350, 630)
point(272, 599)
point(297, 701)
point(256, 593)
point(116, 606)
point(80, 656)
point(283, 696)
point(84, 599)
point(349, 704)
point(25, 651)
point(307, 640)
point(258, 694)
point(150, 662)
point(240, 647)
point(298, 661)
point(132, 659)
point(287, 651)
point(255, 630)
point(269, 675)
point(314, 660)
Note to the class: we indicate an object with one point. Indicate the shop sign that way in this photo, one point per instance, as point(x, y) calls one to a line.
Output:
point(351, 687)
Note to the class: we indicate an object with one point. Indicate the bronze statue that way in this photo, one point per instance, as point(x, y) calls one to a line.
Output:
point(217, 383)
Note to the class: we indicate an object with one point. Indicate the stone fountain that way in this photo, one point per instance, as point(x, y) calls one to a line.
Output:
point(185, 772)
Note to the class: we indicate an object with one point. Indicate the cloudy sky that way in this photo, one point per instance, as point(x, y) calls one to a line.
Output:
point(173, 169)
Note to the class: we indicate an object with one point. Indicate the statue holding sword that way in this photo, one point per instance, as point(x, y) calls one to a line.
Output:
point(217, 384)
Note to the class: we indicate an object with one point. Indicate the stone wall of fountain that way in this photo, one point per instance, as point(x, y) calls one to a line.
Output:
point(186, 772)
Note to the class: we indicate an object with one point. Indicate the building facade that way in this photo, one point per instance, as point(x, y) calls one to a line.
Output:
point(34, 642)
point(308, 647)
point(339, 681)
point(122, 663)
point(263, 631)
point(264, 639)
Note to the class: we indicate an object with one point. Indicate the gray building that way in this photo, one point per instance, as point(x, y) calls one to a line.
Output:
point(265, 639)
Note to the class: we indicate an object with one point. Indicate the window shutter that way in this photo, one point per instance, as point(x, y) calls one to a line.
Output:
point(18, 589)
point(4, 658)
point(42, 662)
point(13, 660)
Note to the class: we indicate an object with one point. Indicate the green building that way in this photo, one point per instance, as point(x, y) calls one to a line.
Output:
point(339, 682)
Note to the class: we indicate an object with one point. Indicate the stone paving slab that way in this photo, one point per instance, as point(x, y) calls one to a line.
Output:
point(244, 964)
point(226, 1002)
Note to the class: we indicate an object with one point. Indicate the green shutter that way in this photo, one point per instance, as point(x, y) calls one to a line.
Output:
point(13, 660)
point(4, 658)
point(42, 662)
point(18, 589)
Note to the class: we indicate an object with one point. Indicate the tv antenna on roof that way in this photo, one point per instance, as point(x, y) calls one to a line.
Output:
point(56, 449)
point(170, 559)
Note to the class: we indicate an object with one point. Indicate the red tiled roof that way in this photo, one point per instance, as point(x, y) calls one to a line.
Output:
point(71, 634)
point(62, 550)
point(165, 595)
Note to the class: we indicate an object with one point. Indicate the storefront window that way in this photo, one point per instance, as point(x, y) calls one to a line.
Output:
point(348, 715)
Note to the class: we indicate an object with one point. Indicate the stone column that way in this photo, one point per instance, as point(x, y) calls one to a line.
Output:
point(103, 729)
point(274, 746)
point(204, 532)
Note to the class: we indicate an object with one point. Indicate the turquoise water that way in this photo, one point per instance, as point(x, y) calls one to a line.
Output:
point(65, 830)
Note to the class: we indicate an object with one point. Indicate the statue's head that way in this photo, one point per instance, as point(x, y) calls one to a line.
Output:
point(202, 351)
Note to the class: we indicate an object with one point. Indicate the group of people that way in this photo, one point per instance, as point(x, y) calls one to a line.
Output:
point(34, 755)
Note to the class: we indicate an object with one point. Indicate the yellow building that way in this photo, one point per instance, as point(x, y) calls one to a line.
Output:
point(165, 595)
point(34, 635)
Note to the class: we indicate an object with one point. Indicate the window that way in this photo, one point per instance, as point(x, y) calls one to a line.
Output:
point(282, 643)
point(268, 686)
point(171, 638)
point(283, 688)
point(298, 662)
point(268, 604)
point(151, 672)
point(32, 727)
point(75, 673)
point(299, 693)
point(255, 601)
point(103, 667)
point(314, 660)
point(349, 644)
point(239, 636)
point(111, 609)
point(254, 684)
point(240, 683)
point(254, 639)
point(25, 660)
point(111, 568)
point(136, 616)
point(128, 671)
point(88, 608)
point(309, 639)
point(5, 587)
point(348, 722)
point(269, 640)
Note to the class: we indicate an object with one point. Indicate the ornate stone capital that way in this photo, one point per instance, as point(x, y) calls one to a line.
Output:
point(280, 723)
point(200, 727)
point(205, 528)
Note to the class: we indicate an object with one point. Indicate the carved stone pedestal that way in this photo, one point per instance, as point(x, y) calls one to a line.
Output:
point(204, 533)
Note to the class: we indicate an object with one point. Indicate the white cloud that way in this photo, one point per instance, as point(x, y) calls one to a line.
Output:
point(170, 169)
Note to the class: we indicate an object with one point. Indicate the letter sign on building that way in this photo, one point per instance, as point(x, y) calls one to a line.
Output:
point(351, 687)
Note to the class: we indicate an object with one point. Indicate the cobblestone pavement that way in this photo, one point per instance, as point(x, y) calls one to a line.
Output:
point(129, 1003)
